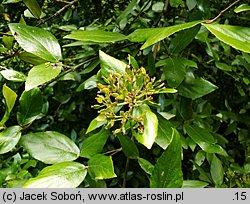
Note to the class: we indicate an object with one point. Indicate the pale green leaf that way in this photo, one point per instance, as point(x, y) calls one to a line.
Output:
point(146, 165)
point(37, 41)
point(194, 184)
point(13, 75)
point(235, 36)
point(217, 171)
point(241, 8)
point(31, 104)
point(41, 74)
point(62, 175)
point(50, 147)
point(191, 4)
point(158, 7)
point(90, 83)
point(131, 6)
point(101, 167)
point(96, 123)
point(150, 123)
point(167, 172)
point(33, 7)
point(94, 143)
point(9, 138)
point(99, 36)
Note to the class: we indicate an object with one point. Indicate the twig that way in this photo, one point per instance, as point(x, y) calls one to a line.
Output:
point(113, 152)
point(6, 34)
point(58, 12)
point(71, 69)
point(125, 173)
point(222, 12)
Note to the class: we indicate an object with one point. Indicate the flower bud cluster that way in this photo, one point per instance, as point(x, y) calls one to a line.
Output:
point(121, 94)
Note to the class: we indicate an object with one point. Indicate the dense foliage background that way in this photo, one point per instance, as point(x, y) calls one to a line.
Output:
point(54, 57)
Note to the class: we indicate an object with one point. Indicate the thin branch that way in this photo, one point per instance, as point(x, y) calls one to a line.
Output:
point(6, 34)
point(113, 152)
point(71, 69)
point(222, 12)
point(125, 173)
point(58, 12)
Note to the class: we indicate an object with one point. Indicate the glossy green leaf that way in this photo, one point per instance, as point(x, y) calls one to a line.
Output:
point(191, 4)
point(194, 184)
point(37, 41)
point(131, 6)
point(217, 171)
point(158, 7)
point(10, 99)
point(146, 165)
point(175, 3)
point(183, 39)
point(90, 83)
point(204, 139)
point(128, 147)
point(9, 137)
point(13, 75)
point(164, 135)
point(62, 175)
point(28, 14)
point(101, 167)
point(50, 147)
point(241, 8)
point(97, 122)
point(174, 71)
point(94, 143)
point(223, 66)
point(167, 172)
point(99, 36)
point(110, 64)
point(195, 88)
point(30, 58)
point(235, 36)
point(31, 104)
point(33, 7)
point(154, 35)
point(10, 1)
point(150, 123)
point(41, 74)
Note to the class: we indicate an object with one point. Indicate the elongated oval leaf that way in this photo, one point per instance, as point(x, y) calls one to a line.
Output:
point(164, 135)
point(195, 88)
point(9, 138)
point(217, 171)
point(154, 35)
point(194, 184)
point(99, 36)
point(94, 144)
point(235, 36)
point(150, 123)
point(50, 147)
point(241, 8)
point(97, 122)
point(101, 167)
point(167, 172)
point(204, 139)
point(41, 74)
point(31, 104)
point(37, 41)
point(10, 99)
point(13, 75)
point(110, 64)
point(33, 7)
point(62, 175)
point(146, 165)
point(128, 147)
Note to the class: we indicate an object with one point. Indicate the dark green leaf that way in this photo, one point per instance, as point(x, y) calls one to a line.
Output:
point(175, 3)
point(110, 64)
point(128, 147)
point(235, 36)
point(223, 66)
point(131, 6)
point(31, 104)
point(9, 138)
point(164, 135)
point(146, 166)
point(37, 41)
point(94, 143)
point(30, 58)
point(195, 88)
point(183, 39)
point(99, 36)
point(13, 75)
point(50, 147)
point(167, 172)
point(33, 7)
point(101, 167)
point(217, 171)
point(41, 74)
point(62, 175)
point(204, 139)
point(174, 71)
